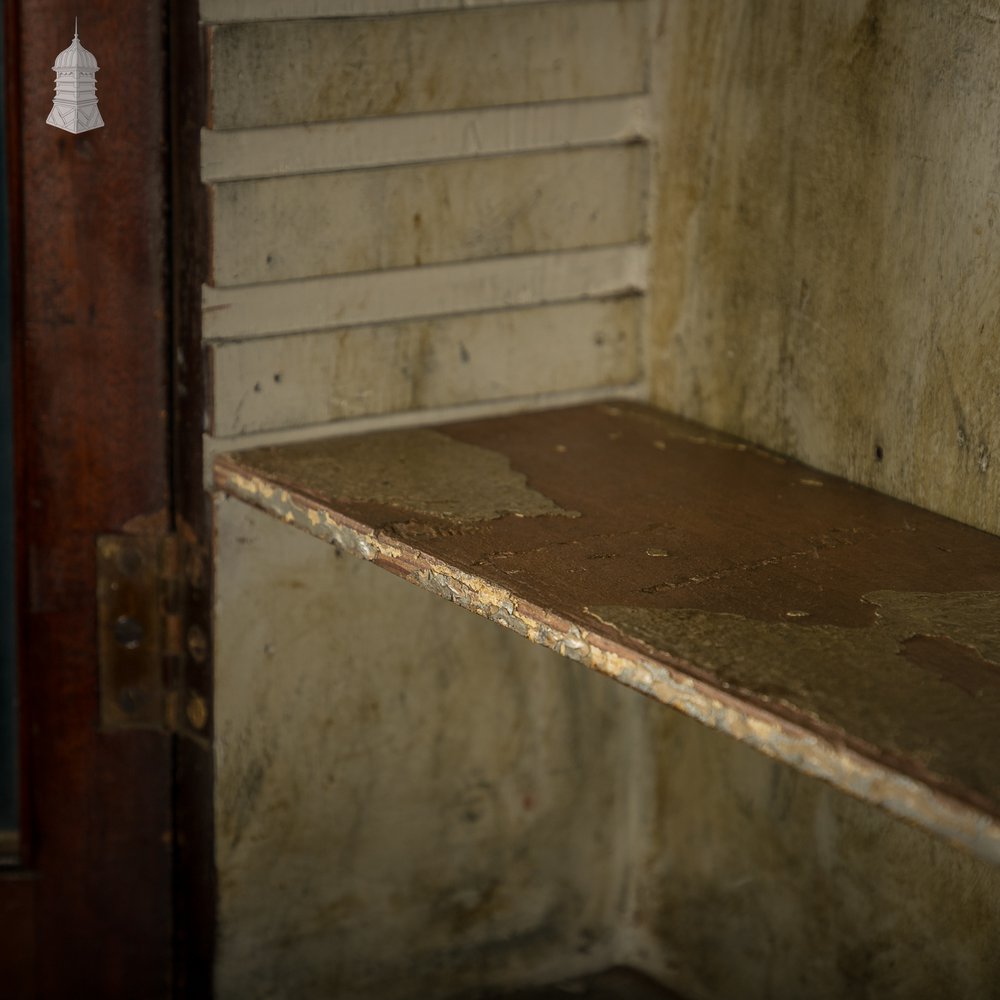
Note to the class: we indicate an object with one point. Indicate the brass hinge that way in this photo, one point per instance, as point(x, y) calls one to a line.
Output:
point(146, 633)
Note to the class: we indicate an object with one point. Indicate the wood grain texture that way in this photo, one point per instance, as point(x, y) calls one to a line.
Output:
point(828, 237)
point(407, 293)
point(713, 848)
point(300, 227)
point(13, 210)
point(284, 72)
point(237, 154)
point(18, 944)
point(91, 438)
point(275, 383)
point(757, 595)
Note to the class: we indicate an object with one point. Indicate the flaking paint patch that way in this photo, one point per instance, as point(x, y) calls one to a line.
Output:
point(417, 470)
point(296, 512)
point(971, 619)
point(858, 680)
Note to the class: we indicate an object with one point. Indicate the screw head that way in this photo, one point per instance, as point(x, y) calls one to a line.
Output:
point(197, 643)
point(197, 711)
point(128, 632)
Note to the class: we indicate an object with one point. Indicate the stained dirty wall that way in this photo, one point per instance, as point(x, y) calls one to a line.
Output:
point(825, 275)
point(755, 882)
point(410, 801)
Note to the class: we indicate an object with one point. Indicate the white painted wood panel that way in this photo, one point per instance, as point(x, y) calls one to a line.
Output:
point(238, 154)
point(282, 382)
point(381, 296)
point(285, 72)
point(306, 226)
point(284, 10)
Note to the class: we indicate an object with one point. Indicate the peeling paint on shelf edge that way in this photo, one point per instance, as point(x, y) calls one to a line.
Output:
point(776, 737)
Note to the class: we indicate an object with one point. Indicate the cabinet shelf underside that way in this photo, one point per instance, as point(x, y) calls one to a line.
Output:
point(851, 635)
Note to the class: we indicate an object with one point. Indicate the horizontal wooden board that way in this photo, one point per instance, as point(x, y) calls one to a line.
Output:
point(407, 293)
point(311, 378)
point(237, 154)
point(284, 10)
point(306, 226)
point(853, 636)
point(286, 72)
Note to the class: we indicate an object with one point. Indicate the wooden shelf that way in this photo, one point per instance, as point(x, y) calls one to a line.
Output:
point(853, 636)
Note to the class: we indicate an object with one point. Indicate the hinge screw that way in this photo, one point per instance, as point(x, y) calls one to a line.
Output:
point(197, 711)
point(128, 632)
point(197, 643)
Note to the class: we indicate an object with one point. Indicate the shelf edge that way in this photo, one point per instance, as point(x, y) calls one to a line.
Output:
point(811, 753)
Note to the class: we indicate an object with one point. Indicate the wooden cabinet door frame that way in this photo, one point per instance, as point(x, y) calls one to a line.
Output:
point(111, 895)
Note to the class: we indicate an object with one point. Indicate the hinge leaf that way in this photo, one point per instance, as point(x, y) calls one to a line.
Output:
point(139, 626)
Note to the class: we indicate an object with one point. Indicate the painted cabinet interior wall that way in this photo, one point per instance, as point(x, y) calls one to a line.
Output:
point(410, 801)
point(827, 237)
point(427, 207)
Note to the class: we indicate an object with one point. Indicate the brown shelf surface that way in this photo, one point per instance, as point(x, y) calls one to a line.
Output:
point(854, 636)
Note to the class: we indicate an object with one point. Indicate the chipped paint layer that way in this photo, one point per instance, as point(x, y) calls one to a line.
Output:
point(419, 470)
point(858, 681)
point(805, 891)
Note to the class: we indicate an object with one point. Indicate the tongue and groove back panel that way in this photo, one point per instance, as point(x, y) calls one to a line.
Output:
point(442, 207)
